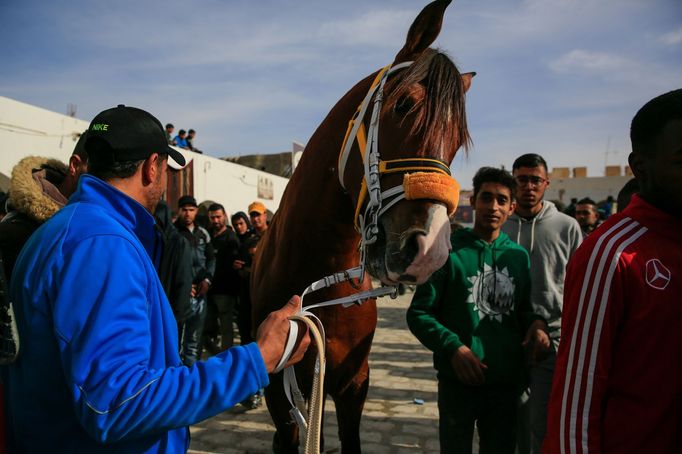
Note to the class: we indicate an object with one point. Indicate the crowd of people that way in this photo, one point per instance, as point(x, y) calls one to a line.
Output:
point(550, 331)
point(553, 332)
point(591, 214)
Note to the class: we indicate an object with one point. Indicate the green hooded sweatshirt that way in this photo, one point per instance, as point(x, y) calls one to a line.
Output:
point(480, 298)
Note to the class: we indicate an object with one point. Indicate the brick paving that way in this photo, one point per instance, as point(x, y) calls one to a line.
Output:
point(401, 371)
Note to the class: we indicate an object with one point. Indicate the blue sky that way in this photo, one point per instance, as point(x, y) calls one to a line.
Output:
point(562, 78)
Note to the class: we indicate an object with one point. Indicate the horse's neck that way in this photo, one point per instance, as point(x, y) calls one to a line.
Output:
point(314, 226)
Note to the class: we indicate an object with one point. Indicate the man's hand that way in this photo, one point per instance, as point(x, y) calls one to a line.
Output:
point(238, 264)
point(193, 292)
point(203, 288)
point(273, 332)
point(468, 368)
point(537, 340)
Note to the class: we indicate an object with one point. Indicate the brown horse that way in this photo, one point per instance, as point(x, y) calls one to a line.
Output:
point(312, 235)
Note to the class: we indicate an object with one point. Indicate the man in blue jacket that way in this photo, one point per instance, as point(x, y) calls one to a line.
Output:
point(99, 370)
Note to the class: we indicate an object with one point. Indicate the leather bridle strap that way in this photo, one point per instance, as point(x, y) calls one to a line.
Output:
point(433, 173)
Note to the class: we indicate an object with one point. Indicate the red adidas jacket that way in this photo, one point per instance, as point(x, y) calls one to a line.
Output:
point(618, 381)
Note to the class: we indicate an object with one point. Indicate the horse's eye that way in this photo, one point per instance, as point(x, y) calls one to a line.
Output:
point(404, 105)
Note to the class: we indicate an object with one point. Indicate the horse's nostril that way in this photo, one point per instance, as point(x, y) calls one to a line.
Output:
point(410, 248)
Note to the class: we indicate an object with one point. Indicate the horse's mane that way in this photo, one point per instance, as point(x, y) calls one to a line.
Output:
point(441, 116)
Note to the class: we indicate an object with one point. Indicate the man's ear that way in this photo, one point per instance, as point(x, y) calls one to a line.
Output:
point(512, 207)
point(150, 169)
point(637, 164)
point(472, 202)
point(75, 164)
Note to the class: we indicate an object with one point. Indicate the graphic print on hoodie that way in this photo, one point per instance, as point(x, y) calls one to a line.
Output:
point(480, 298)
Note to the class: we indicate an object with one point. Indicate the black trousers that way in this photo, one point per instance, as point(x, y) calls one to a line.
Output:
point(493, 408)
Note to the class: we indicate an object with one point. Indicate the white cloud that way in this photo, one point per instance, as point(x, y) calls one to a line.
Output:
point(580, 60)
point(672, 38)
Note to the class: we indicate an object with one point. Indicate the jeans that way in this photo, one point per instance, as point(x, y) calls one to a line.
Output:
point(533, 412)
point(190, 349)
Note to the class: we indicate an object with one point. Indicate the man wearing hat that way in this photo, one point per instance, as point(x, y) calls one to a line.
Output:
point(259, 217)
point(203, 269)
point(99, 369)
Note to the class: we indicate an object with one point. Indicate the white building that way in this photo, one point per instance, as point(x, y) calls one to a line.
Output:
point(28, 130)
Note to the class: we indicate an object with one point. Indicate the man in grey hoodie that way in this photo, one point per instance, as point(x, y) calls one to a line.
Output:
point(551, 238)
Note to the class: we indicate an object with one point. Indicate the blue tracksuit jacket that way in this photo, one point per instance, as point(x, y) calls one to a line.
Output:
point(98, 369)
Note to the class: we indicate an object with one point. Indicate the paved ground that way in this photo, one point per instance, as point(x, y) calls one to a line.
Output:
point(401, 370)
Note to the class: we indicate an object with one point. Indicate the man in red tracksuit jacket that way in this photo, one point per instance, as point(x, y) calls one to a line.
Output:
point(618, 382)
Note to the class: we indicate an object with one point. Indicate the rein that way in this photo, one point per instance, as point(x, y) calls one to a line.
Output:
point(423, 178)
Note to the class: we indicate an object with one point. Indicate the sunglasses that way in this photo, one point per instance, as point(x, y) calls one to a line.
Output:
point(523, 180)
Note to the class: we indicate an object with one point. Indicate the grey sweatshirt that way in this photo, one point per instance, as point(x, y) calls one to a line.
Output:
point(550, 238)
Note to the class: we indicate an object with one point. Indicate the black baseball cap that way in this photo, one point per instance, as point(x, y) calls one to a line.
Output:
point(131, 134)
point(187, 200)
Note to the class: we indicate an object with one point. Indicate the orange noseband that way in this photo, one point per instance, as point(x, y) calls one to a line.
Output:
point(432, 185)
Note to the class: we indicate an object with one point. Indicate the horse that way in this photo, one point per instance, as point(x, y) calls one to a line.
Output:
point(315, 230)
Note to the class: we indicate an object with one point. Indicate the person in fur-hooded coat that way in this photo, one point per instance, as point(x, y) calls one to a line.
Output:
point(39, 187)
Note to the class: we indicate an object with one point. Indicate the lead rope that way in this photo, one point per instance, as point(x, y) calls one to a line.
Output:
point(309, 419)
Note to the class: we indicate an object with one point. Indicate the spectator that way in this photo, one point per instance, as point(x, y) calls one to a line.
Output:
point(181, 140)
point(39, 188)
point(550, 237)
point(100, 370)
point(587, 215)
point(169, 134)
point(618, 384)
point(608, 206)
point(203, 269)
point(475, 314)
point(259, 218)
point(223, 296)
point(242, 264)
point(175, 268)
point(190, 140)
point(626, 193)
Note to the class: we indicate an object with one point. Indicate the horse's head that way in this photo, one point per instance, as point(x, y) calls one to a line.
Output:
point(396, 158)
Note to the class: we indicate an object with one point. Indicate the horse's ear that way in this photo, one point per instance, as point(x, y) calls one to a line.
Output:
point(467, 78)
point(424, 31)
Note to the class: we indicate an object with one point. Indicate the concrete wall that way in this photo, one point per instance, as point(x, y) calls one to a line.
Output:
point(28, 130)
point(596, 188)
point(233, 185)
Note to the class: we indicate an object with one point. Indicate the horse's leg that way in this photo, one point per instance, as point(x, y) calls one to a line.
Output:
point(285, 440)
point(349, 401)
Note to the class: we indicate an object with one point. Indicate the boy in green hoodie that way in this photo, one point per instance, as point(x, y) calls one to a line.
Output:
point(475, 315)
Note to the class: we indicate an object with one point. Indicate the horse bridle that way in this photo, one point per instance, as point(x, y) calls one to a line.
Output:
point(417, 172)
point(423, 178)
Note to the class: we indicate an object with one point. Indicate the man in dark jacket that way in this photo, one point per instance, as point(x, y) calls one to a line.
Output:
point(222, 297)
point(175, 269)
point(203, 269)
